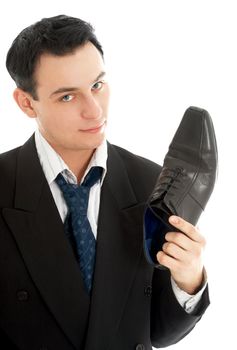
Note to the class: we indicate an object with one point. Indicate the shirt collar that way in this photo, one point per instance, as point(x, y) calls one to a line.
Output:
point(53, 164)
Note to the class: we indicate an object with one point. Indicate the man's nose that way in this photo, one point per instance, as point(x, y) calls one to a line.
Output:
point(91, 108)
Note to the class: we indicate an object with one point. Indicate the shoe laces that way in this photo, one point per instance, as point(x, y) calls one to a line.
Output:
point(169, 179)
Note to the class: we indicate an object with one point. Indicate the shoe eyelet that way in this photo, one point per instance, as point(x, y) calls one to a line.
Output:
point(179, 170)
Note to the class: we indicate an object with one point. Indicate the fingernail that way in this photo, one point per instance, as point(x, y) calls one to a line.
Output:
point(174, 220)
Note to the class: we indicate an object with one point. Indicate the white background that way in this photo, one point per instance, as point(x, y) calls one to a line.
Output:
point(162, 57)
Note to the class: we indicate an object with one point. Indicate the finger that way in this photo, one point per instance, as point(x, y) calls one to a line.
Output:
point(180, 239)
point(187, 228)
point(167, 261)
point(188, 247)
point(174, 251)
point(176, 258)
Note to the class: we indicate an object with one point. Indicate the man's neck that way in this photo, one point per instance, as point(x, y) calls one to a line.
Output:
point(77, 161)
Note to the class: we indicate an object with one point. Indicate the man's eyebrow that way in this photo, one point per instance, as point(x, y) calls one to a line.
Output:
point(101, 75)
point(73, 88)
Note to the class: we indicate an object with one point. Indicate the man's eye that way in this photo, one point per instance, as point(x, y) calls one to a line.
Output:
point(98, 85)
point(66, 98)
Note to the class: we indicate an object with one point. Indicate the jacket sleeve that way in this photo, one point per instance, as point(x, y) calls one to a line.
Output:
point(169, 321)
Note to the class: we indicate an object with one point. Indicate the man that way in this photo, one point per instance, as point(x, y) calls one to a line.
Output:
point(59, 71)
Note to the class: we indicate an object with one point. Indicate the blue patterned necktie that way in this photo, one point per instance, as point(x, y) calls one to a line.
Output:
point(77, 226)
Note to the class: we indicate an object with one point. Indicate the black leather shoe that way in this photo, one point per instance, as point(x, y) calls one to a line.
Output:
point(185, 182)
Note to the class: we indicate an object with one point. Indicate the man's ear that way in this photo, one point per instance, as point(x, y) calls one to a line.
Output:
point(24, 101)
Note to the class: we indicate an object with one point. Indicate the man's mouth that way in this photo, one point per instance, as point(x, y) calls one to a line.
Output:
point(95, 128)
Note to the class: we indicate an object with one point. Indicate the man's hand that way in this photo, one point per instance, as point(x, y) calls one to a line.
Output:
point(183, 255)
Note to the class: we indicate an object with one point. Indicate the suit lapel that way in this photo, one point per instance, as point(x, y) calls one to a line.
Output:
point(118, 253)
point(38, 231)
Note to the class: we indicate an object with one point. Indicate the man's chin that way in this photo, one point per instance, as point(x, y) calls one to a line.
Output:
point(92, 145)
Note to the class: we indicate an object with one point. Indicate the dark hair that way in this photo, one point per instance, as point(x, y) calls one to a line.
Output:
point(59, 35)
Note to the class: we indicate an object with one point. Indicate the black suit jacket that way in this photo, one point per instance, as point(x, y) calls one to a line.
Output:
point(43, 305)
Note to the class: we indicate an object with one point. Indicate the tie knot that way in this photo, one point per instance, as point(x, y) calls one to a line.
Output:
point(92, 176)
point(79, 193)
point(90, 179)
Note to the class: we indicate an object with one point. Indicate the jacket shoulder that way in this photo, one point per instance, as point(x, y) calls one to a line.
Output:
point(8, 164)
point(137, 160)
point(8, 161)
point(141, 171)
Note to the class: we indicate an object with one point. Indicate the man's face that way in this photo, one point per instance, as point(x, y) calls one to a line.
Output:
point(73, 97)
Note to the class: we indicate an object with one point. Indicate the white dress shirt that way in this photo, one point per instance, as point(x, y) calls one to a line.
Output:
point(52, 164)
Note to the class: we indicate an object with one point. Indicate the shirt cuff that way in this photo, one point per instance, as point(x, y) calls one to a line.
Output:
point(187, 301)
